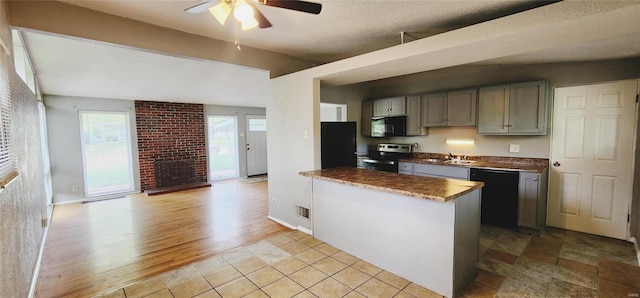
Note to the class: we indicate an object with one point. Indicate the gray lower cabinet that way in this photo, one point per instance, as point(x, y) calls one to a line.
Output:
point(439, 171)
point(532, 190)
point(365, 120)
point(516, 109)
point(405, 168)
point(532, 200)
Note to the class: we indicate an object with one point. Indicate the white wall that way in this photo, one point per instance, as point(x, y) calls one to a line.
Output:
point(64, 142)
point(241, 114)
point(330, 112)
point(293, 145)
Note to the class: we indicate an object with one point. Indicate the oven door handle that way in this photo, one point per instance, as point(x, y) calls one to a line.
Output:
point(387, 162)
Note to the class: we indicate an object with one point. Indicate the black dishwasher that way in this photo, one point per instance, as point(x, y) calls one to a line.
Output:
point(499, 196)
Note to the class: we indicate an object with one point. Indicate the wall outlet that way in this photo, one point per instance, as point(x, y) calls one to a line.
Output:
point(273, 201)
point(74, 188)
point(306, 134)
point(514, 148)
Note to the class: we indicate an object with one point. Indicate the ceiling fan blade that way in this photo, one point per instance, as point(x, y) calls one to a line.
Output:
point(202, 7)
point(262, 20)
point(304, 6)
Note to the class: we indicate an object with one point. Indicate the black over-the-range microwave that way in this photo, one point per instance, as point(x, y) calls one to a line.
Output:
point(389, 126)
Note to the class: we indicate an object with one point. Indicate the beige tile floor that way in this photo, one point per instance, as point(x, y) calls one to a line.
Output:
point(557, 263)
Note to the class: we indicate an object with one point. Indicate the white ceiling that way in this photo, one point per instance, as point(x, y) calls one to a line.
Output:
point(66, 66)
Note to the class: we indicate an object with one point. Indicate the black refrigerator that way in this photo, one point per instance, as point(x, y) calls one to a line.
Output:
point(338, 144)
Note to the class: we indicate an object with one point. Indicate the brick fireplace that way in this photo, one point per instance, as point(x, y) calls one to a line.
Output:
point(171, 144)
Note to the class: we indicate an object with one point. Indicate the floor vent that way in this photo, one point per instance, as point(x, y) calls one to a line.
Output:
point(102, 199)
point(304, 212)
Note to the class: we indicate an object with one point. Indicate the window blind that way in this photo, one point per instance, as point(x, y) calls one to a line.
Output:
point(7, 164)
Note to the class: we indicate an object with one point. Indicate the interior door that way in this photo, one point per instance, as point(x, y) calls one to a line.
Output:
point(592, 158)
point(256, 145)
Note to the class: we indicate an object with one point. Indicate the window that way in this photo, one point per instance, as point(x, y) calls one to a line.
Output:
point(7, 163)
point(257, 124)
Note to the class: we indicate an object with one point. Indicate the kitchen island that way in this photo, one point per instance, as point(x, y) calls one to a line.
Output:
point(423, 229)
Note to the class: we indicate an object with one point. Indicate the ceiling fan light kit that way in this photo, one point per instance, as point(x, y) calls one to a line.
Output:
point(242, 12)
point(247, 14)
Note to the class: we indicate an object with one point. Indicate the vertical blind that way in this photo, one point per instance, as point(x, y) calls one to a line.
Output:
point(7, 164)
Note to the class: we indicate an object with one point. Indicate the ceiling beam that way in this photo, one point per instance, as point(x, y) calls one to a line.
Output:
point(68, 20)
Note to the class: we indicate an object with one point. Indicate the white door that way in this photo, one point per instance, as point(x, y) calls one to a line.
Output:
point(590, 178)
point(256, 145)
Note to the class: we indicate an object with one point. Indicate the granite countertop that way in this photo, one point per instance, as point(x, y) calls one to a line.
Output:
point(536, 165)
point(436, 189)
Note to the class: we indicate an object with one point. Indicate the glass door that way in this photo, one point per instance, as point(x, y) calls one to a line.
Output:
point(106, 153)
point(223, 146)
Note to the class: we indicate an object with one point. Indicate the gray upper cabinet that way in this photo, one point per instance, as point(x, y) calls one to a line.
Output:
point(434, 110)
point(394, 106)
point(516, 109)
point(414, 125)
point(461, 108)
point(456, 108)
point(365, 119)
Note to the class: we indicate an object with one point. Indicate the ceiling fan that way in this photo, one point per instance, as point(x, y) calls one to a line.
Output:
point(247, 13)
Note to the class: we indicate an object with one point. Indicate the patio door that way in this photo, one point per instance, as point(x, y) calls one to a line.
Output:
point(106, 153)
point(223, 146)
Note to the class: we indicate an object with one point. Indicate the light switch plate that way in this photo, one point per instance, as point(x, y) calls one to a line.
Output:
point(514, 148)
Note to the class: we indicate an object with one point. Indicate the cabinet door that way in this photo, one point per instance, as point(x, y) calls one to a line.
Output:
point(405, 168)
point(493, 110)
point(528, 193)
point(365, 119)
point(414, 123)
point(434, 110)
point(381, 107)
point(397, 106)
point(527, 108)
point(461, 108)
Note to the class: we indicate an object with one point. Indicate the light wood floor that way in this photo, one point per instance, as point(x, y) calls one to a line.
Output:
point(92, 248)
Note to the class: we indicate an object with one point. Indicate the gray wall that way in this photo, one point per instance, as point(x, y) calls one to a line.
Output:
point(558, 75)
point(241, 114)
point(64, 142)
point(23, 202)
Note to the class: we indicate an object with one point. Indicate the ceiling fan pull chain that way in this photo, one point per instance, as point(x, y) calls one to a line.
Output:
point(237, 31)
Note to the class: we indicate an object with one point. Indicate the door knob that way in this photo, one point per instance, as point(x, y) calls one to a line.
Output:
point(556, 164)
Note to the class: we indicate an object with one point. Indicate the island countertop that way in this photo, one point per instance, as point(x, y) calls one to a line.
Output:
point(436, 189)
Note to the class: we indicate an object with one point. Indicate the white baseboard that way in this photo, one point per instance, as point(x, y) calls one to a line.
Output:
point(282, 222)
point(635, 246)
point(36, 270)
point(290, 226)
point(305, 230)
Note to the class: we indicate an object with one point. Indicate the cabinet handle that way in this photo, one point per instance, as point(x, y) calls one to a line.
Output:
point(535, 179)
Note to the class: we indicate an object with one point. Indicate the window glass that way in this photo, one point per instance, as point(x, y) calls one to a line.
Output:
point(257, 124)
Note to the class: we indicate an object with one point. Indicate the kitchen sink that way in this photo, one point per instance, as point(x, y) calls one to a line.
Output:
point(433, 160)
point(460, 161)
